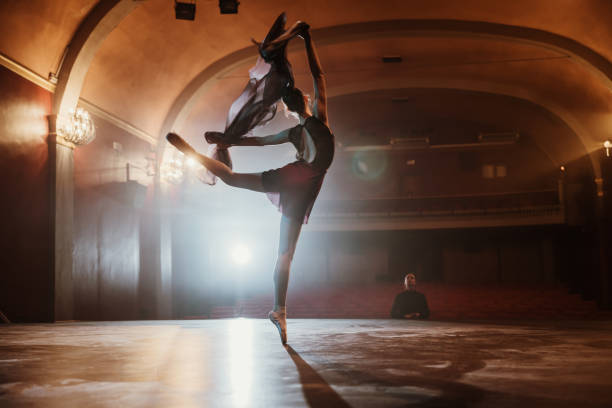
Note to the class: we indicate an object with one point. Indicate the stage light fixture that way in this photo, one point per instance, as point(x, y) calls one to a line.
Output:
point(184, 11)
point(228, 6)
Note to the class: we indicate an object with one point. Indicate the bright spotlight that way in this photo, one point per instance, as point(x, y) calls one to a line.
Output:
point(191, 162)
point(607, 146)
point(241, 254)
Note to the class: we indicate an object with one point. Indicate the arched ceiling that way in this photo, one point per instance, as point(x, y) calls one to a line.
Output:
point(552, 54)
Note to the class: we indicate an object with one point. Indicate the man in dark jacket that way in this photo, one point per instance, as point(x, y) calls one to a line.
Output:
point(410, 304)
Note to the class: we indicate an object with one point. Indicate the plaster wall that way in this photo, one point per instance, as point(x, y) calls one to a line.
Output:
point(112, 259)
point(26, 280)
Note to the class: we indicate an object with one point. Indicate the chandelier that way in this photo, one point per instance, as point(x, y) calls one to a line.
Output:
point(76, 127)
point(172, 170)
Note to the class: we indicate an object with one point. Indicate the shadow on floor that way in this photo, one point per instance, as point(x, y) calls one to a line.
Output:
point(317, 391)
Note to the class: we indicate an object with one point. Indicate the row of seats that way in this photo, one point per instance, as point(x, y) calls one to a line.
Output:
point(446, 302)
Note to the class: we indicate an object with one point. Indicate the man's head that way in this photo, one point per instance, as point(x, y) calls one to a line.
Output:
point(410, 281)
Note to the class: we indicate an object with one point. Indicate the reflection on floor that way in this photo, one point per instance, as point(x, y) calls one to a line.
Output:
point(335, 363)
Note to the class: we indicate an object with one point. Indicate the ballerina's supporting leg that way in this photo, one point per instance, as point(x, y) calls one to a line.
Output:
point(289, 233)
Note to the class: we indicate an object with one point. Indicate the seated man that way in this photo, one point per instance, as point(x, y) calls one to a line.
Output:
point(410, 304)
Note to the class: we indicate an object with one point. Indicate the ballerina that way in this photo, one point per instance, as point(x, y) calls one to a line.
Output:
point(294, 187)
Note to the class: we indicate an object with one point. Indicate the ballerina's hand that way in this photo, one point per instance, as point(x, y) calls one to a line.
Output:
point(213, 137)
point(216, 138)
point(303, 29)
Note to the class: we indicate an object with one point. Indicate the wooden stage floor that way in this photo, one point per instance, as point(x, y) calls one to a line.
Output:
point(328, 363)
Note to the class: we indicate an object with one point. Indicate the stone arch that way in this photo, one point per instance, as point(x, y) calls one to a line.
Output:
point(90, 34)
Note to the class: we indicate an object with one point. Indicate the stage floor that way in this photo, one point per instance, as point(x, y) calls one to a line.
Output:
point(328, 363)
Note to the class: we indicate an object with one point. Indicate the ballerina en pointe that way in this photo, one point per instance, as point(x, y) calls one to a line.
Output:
point(280, 321)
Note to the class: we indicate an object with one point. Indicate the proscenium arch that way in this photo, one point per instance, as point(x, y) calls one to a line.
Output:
point(578, 52)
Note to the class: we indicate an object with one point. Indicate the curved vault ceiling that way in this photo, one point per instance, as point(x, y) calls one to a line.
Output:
point(151, 58)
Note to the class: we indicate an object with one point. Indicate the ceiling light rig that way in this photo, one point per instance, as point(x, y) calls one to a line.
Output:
point(76, 127)
point(228, 6)
point(184, 10)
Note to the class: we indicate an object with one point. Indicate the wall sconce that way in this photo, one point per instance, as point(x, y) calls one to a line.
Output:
point(76, 127)
point(171, 170)
point(607, 146)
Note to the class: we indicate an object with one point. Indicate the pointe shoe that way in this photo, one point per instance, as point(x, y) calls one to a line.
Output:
point(180, 143)
point(280, 321)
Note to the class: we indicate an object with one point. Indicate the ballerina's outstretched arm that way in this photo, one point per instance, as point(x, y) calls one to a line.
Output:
point(278, 138)
point(320, 87)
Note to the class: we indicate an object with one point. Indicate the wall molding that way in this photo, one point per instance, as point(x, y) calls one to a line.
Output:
point(131, 129)
point(27, 74)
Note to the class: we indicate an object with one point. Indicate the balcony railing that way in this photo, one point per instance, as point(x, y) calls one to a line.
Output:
point(529, 202)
